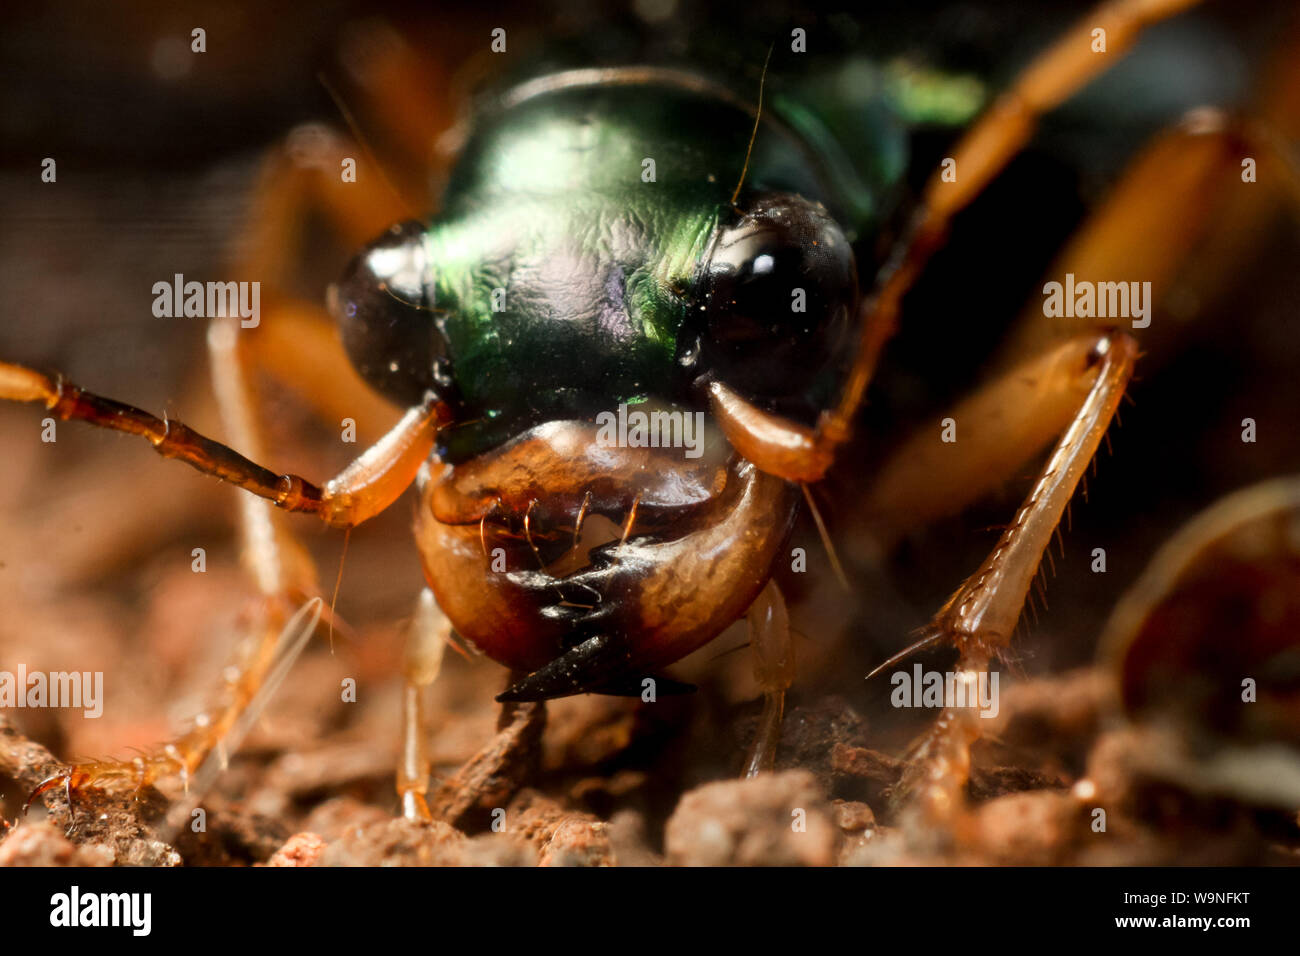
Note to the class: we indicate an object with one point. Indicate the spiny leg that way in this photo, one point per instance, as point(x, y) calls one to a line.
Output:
point(284, 576)
point(1001, 131)
point(366, 487)
point(998, 135)
point(290, 338)
point(981, 616)
point(296, 344)
point(202, 756)
point(215, 734)
point(428, 636)
point(1163, 206)
point(414, 90)
point(799, 453)
point(772, 647)
point(1167, 200)
point(363, 489)
point(999, 429)
point(409, 98)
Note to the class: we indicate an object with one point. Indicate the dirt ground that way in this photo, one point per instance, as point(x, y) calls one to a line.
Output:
point(612, 782)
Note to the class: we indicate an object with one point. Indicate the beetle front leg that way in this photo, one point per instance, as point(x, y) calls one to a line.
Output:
point(796, 452)
point(803, 454)
point(981, 616)
point(215, 733)
point(366, 487)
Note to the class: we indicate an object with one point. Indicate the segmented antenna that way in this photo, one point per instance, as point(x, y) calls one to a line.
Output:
point(758, 115)
point(348, 118)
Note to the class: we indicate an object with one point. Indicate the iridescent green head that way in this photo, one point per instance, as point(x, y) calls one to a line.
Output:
point(588, 254)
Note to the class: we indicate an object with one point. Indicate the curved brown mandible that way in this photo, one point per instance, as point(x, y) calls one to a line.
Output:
point(656, 598)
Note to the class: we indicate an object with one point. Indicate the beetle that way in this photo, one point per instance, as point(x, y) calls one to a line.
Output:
point(517, 316)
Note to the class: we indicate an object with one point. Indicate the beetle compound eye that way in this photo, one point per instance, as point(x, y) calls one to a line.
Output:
point(775, 300)
point(386, 311)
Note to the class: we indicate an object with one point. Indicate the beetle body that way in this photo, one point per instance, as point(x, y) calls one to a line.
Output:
point(589, 256)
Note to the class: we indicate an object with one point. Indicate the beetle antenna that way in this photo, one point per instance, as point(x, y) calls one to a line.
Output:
point(418, 306)
point(338, 580)
point(758, 115)
point(348, 118)
point(826, 538)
